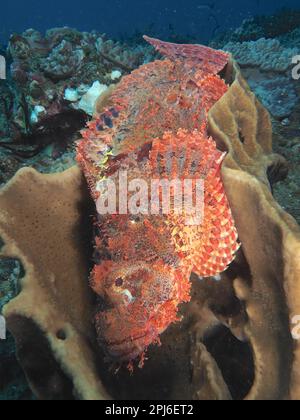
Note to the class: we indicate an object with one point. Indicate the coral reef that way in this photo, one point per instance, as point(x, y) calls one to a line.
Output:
point(269, 26)
point(254, 300)
point(266, 54)
point(38, 139)
point(267, 66)
point(52, 85)
point(165, 245)
point(34, 107)
point(125, 59)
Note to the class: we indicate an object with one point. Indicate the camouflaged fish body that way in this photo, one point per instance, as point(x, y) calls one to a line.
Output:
point(154, 126)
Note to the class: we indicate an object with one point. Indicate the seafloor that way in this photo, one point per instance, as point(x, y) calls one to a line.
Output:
point(48, 97)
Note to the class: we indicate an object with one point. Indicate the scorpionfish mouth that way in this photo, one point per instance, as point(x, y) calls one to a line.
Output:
point(136, 304)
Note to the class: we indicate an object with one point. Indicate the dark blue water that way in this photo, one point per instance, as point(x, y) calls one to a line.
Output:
point(116, 17)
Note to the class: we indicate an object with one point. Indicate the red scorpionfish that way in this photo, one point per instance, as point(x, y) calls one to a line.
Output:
point(154, 126)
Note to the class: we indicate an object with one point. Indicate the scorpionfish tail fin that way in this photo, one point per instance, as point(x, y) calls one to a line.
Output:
point(210, 60)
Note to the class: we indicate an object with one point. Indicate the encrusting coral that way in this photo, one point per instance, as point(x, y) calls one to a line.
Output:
point(255, 300)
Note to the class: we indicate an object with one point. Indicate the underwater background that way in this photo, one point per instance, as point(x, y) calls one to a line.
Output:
point(60, 55)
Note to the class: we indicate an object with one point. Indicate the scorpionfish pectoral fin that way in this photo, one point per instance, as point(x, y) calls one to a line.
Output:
point(204, 235)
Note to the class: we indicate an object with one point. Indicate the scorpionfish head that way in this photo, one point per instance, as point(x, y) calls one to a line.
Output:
point(137, 302)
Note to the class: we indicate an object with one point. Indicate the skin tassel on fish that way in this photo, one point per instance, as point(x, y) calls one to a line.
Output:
point(155, 127)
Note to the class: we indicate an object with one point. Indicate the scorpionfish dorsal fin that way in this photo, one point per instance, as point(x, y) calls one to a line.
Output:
point(211, 61)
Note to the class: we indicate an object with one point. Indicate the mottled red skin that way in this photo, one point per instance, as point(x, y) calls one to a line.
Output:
point(144, 263)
